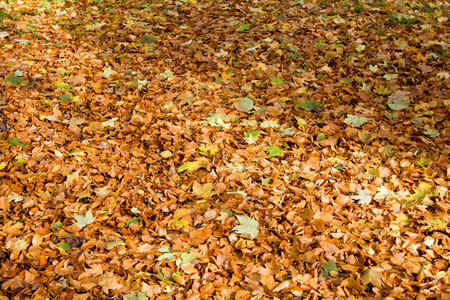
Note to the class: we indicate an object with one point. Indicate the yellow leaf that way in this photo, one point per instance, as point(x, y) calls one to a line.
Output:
point(202, 190)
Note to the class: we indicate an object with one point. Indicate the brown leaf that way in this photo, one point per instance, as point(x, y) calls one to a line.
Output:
point(109, 281)
point(372, 276)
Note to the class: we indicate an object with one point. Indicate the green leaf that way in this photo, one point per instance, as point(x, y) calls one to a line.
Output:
point(277, 81)
point(431, 133)
point(135, 296)
point(66, 97)
point(15, 142)
point(187, 257)
point(271, 123)
point(372, 276)
point(329, 267)
point(134, 220)
point(62, 71)
point(166, 249)
point(243, 27)
point(15, 79)
point(161, 277)
point(274, 151)
point(346, 80)
point(148, 39)
point(309, 105)
point(191, 166)
point(355, 120)
point(56, 226)
point(363, 196)
point(248, 225)
point(65, 246)
point(225, 210)
point(391, 115)
point(266, 181)
point(417, 196)
point(390, 76)
point(252, 133)
point(321, 137)
point(287, 131)
point(301, 122)
point(244, 104)
point(112, 242)
point(398, 100)
point(387, 151)
point(83, 221)
point(215, 119)
point(108, 72)
point(62, 85)
point(382, 193)
point(208, 150)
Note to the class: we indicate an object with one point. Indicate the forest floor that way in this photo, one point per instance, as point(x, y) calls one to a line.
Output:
point(197, 149)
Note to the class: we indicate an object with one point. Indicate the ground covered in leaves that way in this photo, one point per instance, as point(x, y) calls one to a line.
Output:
point(204, 149)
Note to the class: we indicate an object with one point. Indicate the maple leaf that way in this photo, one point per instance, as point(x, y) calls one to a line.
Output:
point(66, 97)
point(382, 193)
point(309, 105)
point(107, 72)
point(363, 196)
point(166, 74)
point(62, 85)
point(399, 100)
point(271, 123)
point(248, 226)
point(73, 177)
point(360, 47)
point(202, 190)
point(249, 123)
point(236, 167)
point(374, 68)
point(287, 131)
point(372, 276)
point(15, 197)
point(274, 151)
point(417, 196)
point(356, 121)
point(136, 296)
point(243, 27)
point(252, 133)
point(110, 122)
point(177, 221)
point(208, 150)
point(20, 245)
point(83, 221)
point(15, 79)
point(15, 142)
point(151, 290)
point(213, 119)
point(112, 242)
point(109, 281)
point(431, 133)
